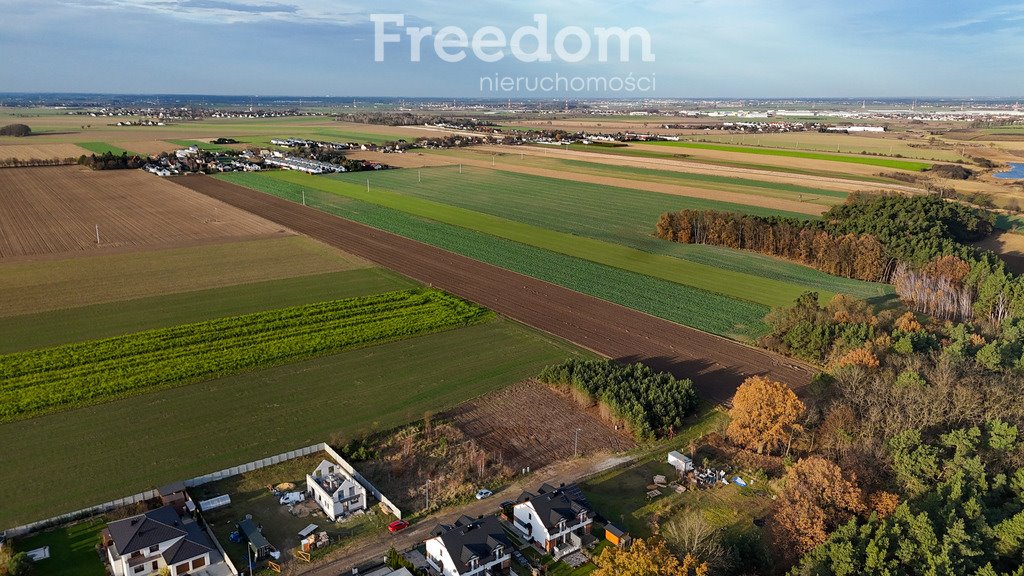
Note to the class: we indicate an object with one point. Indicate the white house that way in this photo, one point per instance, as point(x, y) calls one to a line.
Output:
point(555, 520)
point(335, 490)
point(158, 539)
point(681, 463)
point(470, 547)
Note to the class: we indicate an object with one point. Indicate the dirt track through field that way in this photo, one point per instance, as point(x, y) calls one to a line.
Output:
point(716, 365)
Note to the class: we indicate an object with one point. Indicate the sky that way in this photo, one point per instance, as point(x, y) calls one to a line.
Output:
point(699, 48)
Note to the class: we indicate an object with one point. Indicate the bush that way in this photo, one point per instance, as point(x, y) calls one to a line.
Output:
point(650, 403)
point(18, 130)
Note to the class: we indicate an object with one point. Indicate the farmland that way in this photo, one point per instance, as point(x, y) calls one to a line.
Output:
point(614, 215)
point(866, 160)
point(212, 425)
point(662, 298)
point(51, 379)
point(716, 365)
point(731, 284)
point(201, 145)
point(40, 151)
point(55, 210)
point(535, 437)
point(97, 321)
point(82, 279)
point(103, 148)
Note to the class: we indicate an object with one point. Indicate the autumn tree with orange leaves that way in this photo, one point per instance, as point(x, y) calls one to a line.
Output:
point(647, 558)
point(816, 500)
point(764, 414)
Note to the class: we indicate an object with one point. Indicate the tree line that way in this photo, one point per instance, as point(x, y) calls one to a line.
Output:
point(110, 161)
point(920, 244)
point(30, 162)
point(649, 403)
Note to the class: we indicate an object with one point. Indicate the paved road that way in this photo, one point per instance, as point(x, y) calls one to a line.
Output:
point(716, 365)
point(373, 548)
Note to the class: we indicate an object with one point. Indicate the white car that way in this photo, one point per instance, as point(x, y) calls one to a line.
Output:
point(484, 493)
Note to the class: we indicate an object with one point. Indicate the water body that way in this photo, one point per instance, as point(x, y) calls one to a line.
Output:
point(1016, 172)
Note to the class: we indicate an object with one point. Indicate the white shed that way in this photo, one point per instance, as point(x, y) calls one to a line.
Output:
point(681, 463)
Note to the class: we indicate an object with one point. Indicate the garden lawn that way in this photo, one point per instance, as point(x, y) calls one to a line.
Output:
point(72, 549)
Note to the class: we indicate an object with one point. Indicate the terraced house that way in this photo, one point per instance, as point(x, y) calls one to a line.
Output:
point(555, 520)
point(470, 547)
point(147, 543)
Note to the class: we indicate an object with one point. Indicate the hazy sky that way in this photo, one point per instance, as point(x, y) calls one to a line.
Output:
point(701, 48)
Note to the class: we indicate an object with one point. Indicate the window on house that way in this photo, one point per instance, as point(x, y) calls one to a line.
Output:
point(154, 548)
point(156, 565)
point(139, 568)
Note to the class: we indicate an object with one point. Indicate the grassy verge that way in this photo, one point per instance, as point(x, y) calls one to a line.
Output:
point(145, 441)
point(868, 160)
point(702, 310)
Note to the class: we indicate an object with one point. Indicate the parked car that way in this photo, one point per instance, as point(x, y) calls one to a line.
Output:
point(397, 525)
point(484, 493)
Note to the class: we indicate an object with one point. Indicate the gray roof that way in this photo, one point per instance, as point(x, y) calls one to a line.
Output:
point(252, 533)
point(183, 550)
point(469, 538)
point(145, 530)
point(556, 504)
point(615, 530)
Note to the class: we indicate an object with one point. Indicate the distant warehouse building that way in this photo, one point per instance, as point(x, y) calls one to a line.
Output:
point(303, 165)
point(852, 129)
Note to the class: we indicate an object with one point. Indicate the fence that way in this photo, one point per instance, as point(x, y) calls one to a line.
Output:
point(205, 479)
point(216, 543)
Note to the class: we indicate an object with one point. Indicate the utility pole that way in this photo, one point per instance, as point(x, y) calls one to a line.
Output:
point(367, 184)
point(97, 234)
point(428, 494)
point(576, 444)
point(303, 197)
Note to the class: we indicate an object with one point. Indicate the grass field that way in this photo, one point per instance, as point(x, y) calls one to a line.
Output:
point(133, 444)
point(202, 145)
point(72, 549)
point(702, 310)
point(55, 327)
point(890, 144)
point(868, 160)
point(103, 148)
point(39, 285)
point(615, 215)
point(83, 373)
point(731, 284)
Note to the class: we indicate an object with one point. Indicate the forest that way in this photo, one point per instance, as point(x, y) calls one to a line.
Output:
point(920, 244)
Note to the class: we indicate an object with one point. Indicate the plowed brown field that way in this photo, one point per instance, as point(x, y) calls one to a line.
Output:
point(56, 210)
point(531, 425)
point(715, 364)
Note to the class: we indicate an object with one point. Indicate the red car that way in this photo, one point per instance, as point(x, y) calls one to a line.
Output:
point(397, 525)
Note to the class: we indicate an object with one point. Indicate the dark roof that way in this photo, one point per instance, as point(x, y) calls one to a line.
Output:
point(252, 534)
point(145, 530)
point(553, 505)
point(615, 530)
point(172, 488)
point(469, 538)
point(183, 550)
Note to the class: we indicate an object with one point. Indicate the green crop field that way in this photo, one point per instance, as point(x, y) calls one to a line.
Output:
point(55, 327)
point(201, 145)
point(642, 174)
point(643, 153)
point(614, 215)
point(142, 442)
point(728, 283)
point(868, 160)
point(682, 304)
point(103, 148)
point(63, 377)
